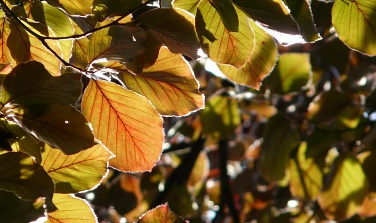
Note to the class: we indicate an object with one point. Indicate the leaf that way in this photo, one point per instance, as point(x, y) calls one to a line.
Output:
point(21, 175)
point(368, 208)
point(320, 141)
point(116, 43)
point(355, 24)
point(161, 213)
point(188, 5)
point(60, 126)
point(345, 188)
point(291, 73)
point(259, 65)
point(15, 210)
point(78, 172)
point(82, 7)
point(126, 123)
point(107, 8)
point(172, 27)
point(200, 171)
point(220, 117)
point(30, 83)
point(18, 46)
point(271, 14)
point(169, 84)
point(368, 160)
point(279, 139)
point(79, 50)
point(219, 43)
point(71, 209)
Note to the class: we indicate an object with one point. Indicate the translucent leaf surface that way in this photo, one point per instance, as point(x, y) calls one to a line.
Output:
point(71, 209)
point(126, 123)
point(218, 42)
point(220, 117)
point(188, 5)
point(79, 50)
point(355, 23)
point(21, 175)
point(279, 139)
point(30, 83)
point(260, 64)
point(345, 188)
point(82, 7)
point(160, 214)
point(169, 84)
point(116, 43)
point(106, 8)
point(78, 172)
point(173, 28)
point(60, 126)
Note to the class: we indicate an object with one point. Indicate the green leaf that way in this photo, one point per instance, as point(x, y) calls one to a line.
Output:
point(82, 7)
point(78, 172)
point(169, 84)
point(227, 13)
point(138, 136)
point(21, 175)
point(320, 141)
point(172, 27)
point(188, 5)
point(345, 188)
point(302, 14)
point(220, 117)
point(259, 65)
point(106, 8)
point(30, 83)
point(368, 160)
point(60, 126)
point(15, 210)
point(355, 24)
point(79, 50)
point(279, 139)
point(305, 174)
point(71, 209)
point(117, 43)
point(161, 213)
point(219, 43)
point(18, 46)
point(291, 73)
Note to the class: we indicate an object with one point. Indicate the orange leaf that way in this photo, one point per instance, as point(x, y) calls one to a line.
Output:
point(126, 123)
point(161, 214)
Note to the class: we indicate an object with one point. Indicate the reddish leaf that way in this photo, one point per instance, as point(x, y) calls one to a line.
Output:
point(161, 214)
point(126, 123)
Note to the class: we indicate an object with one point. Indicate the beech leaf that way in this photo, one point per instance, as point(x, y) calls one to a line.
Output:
point(82, 7)
point(161, 213)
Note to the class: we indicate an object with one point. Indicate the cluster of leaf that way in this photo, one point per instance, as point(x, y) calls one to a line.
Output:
point(92, 84)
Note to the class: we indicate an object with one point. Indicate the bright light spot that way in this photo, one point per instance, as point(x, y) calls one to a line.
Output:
point(327, 86)
point(66, 121)
point(362, 81)
point(195, 206)
point(201, 53)
point(210, 183)
point(123, 220)
point(231, 171)
point(40, 220)
point(90, 196)
point(292, 203)
point(262, 188)
point(372, 116)
point(166, 145)
point(161, 186)
point(134, 39)
point(291, 108)
point(285, 39)
point(210, 214)
point(212, 67)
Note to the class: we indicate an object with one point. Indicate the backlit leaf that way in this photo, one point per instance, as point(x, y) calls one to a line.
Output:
point(60, 126)
point(188, 5)
point(172, 27)
point(82, 7)
point(218, 42)
point(21, 175)
point(220, 117)
point(259, 65)
point(106, 8)
point(169, 84)
point(14, 210)
point(71, 209)
point(200, 170)
point(30, 83)
point(78, 172)
point(116, 43)
point(279, 139)
point(160, 214)
point(355, 24)
point(79, 50)
point(126, 123)
point(345, 188)
point(18, 46)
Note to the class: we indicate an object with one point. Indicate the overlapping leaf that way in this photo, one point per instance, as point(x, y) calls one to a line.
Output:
point(169, 84)
point(30, 83)
point(79, 50)
point(116, 43)
point(17, 46)
point(345, 188)
point(78, 172)
point(160, 214)
point(71, 209)
point(221, 43)
point(259, 65)
point(106, 8)
point(126, 123)
point(21, 175)
point(355, 23)
point(188, 5)
point(73, 7)
point(173, 28)
point(60, 126)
